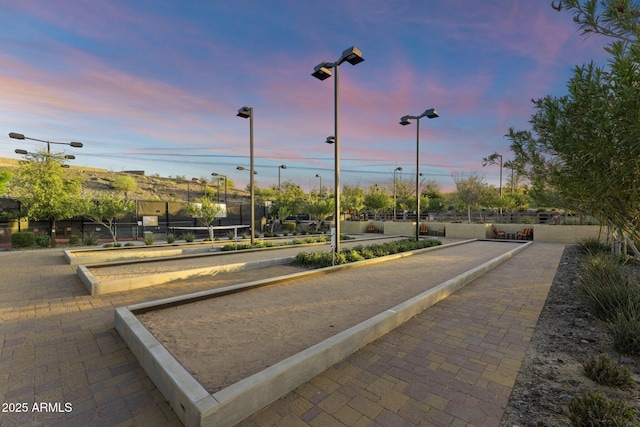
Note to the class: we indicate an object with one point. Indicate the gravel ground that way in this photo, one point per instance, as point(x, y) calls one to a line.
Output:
point(551, 374)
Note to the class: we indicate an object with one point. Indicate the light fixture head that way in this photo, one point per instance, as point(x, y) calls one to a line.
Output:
point(282, 166)
point(322, 71)
point(331, 140)
point(399, 168)
point(240, 168)
point(353, 56)
point(16, 135)
point(431, 113)
point(76, 144)
point(405, 120)
point(317, 175)
point(20, 151)
point(244, 112)
point(69, 156)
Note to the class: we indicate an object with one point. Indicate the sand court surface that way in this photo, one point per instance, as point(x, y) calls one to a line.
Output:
point(225, 339)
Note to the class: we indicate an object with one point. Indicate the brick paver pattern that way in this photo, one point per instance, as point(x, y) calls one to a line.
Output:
point(452, 365)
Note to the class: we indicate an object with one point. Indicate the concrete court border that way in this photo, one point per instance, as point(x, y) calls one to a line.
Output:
point(97, 287)
point(196, 406)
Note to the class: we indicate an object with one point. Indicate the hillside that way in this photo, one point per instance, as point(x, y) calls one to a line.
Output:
point(172, 189)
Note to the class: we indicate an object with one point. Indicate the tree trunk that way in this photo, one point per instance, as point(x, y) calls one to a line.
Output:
point(52, 224)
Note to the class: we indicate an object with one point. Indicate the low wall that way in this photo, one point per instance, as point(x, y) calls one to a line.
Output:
point(566, 233)
point(546, 233)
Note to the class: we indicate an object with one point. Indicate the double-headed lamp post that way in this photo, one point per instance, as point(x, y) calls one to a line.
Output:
point(247, 113)
point(398, 169)
point(431, 113)
point(16, 135)
point(323, 71)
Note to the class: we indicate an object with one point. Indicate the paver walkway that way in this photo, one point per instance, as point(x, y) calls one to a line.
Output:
point(453, 365)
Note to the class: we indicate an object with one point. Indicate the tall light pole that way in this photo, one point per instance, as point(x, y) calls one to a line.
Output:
point(491, 160)
point(394, 190)
point(320, 191)
point(247, 113)
point(280, 167)
point(16, 135)
point(431, 113)
point(323, 71)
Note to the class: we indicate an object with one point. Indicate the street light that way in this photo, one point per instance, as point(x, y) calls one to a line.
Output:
point(491, 160)
point(323, 71)
point(16, 135)
point(319, 176)
point(219, 177)
point(406, 120)
point(247, 113)
point(394, 190)
point(280, 167)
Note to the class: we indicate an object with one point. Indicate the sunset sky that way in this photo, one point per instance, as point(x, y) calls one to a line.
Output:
point(156, 85)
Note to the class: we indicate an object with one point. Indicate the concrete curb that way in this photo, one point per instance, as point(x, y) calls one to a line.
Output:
point(195, 406)
point(96, 287)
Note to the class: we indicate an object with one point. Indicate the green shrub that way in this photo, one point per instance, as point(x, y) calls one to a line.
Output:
point(606, 287)
point(602, 370)
point(288, 227)
point(171, 238)
point(129, 244)
point(74, 239)
point(360, 252)
point(107, 245)
point(625, 331)
point(592, 246)
point(189, 237)
point(117, 244)
point(148, 239)
point(231, 235)
point(43, 240)
point(90, 239)
point(593, 409)
point(23, 239)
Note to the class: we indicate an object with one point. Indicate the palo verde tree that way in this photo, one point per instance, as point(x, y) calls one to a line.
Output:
point(107, 209)
point(377, 200)
point(206, 211)
point(582, 149)
point(320, 208)
point(470, 190)
point(47, 191)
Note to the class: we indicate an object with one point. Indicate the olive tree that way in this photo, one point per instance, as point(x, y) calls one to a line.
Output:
point(582, 149)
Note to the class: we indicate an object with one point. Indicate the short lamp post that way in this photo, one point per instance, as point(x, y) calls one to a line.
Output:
point(320, 178)
point(323, 71)
point(280, 168)
point(406, 120)
point(253, 203)
point(247, 113)
point(398, 169)
point(218, 178)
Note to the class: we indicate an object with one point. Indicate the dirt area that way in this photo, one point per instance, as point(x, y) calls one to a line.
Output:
point(565, 336)
point(223, 340)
